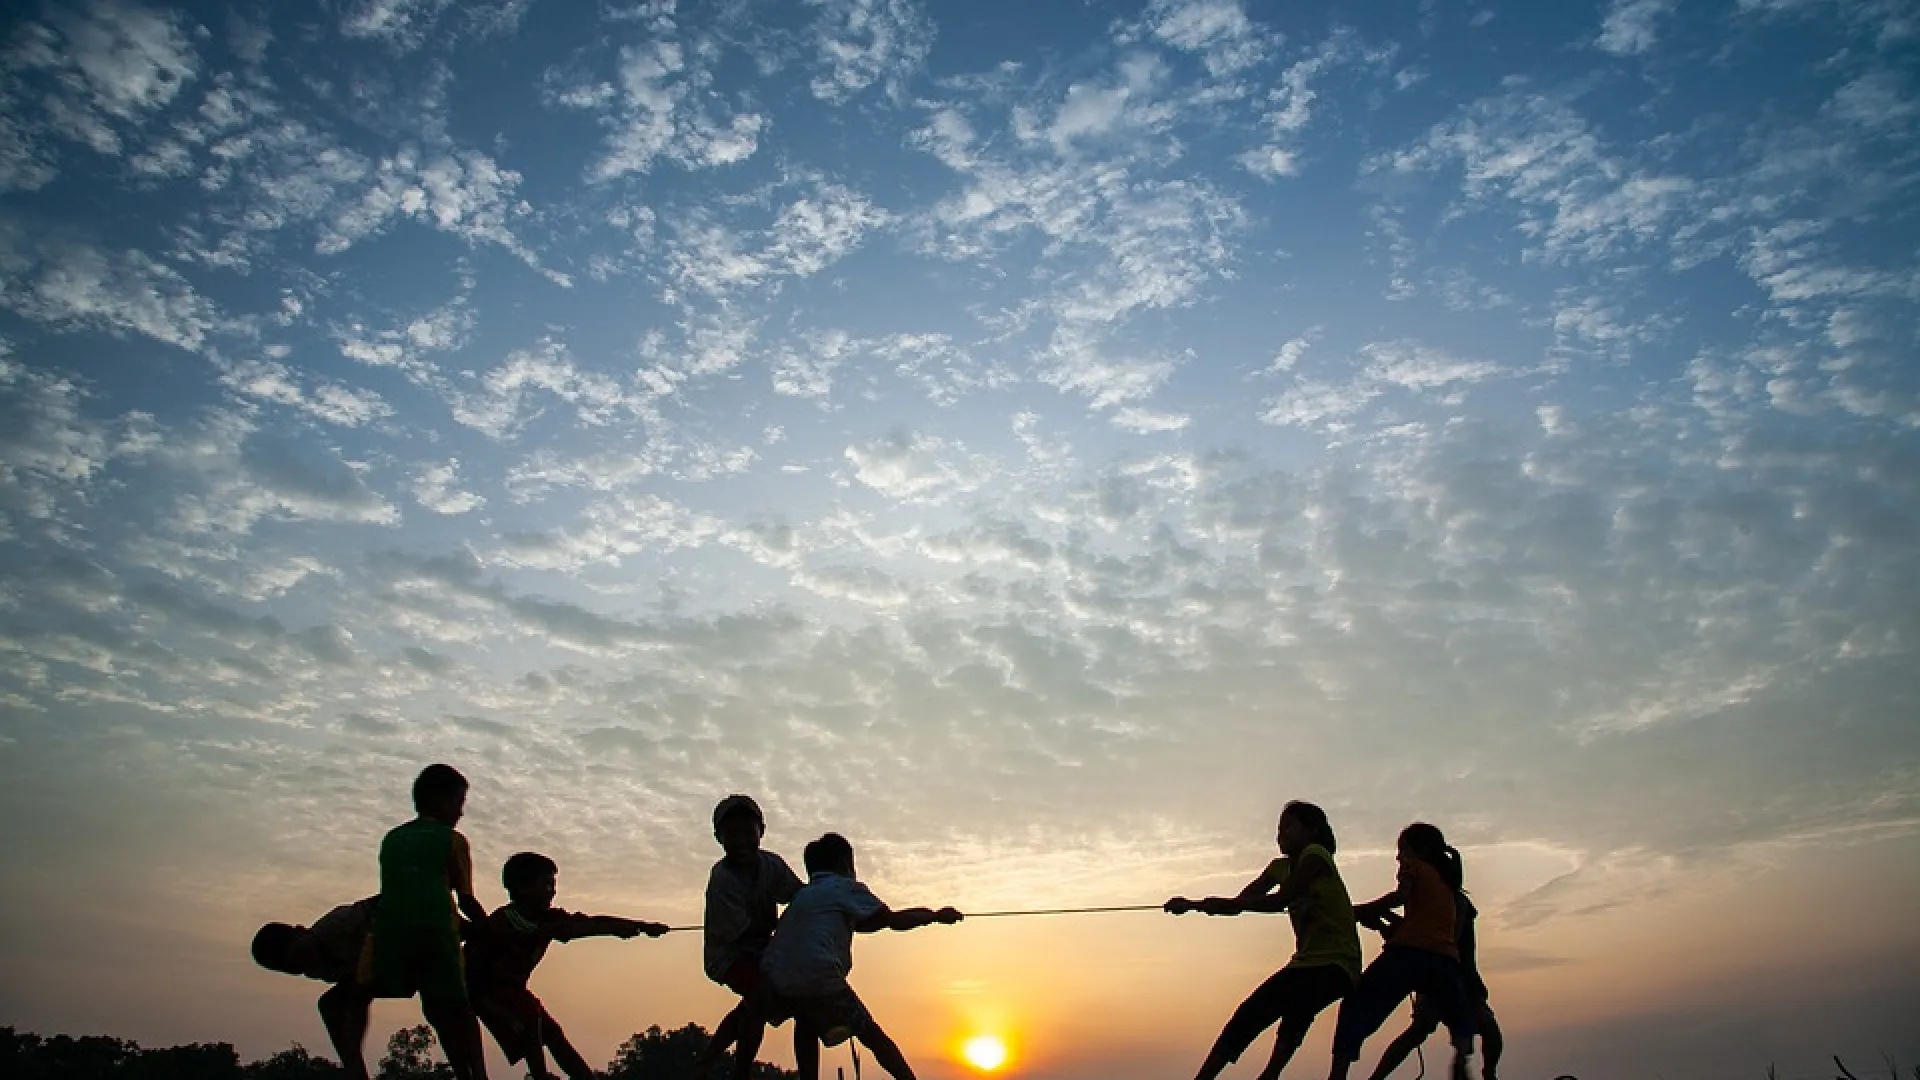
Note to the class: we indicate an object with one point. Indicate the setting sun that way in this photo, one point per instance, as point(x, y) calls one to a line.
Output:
point(985, 1052)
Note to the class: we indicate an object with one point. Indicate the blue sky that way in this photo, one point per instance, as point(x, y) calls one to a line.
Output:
point(1035, 439)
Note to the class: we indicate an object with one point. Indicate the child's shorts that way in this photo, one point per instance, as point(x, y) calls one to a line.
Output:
point(743, 977)
point(409, 960)
point(833, 1016)
point(517, 1019)
point(1426, 1014)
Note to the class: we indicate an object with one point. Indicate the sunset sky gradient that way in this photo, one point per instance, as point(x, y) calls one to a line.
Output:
point(1036, 439)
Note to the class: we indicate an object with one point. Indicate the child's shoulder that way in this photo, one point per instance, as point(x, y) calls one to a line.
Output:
point(1316, 851)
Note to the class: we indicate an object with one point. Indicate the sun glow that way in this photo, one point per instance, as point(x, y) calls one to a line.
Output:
point(985, 1052)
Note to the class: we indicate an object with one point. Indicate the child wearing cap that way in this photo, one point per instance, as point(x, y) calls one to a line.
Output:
point(744, 892)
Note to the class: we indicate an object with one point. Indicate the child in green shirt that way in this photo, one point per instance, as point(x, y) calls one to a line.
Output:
point(426, 883)
point(1326, 956)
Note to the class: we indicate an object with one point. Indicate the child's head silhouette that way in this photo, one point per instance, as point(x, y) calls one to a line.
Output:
point(831, 854)
point(440, 792)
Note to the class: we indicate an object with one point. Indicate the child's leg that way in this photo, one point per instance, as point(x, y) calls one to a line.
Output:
point(1441, 984)
point(747, 1046)
point(723, 1036)
point(885, 1053)
point(1383, 986)
point(1492, 1043)
point(1396, 1052)
point(1309, 991)
point(1255, 1014)
point(564, 1055)
point(806, 1051)
point(1269, 1002)
point(1425, 1021)
point(1285, 1042)
point(459, 1031)
point(343, 1012)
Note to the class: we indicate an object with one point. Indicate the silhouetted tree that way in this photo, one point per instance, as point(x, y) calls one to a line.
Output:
point(293, 1063)
point(91, 1057)
point(669, 1055)
point(194, 1061)
point(410, 1057)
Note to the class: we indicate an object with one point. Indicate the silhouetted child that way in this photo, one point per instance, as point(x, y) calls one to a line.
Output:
point(1426, 1015)
point(744, 892)
point(426, 883)
point(1420, 955)
point(502, 954)
point(806, 964)
point(330, 951)
point(1325, 965)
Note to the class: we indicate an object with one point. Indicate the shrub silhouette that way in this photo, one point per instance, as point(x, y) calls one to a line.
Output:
point(653, 1054)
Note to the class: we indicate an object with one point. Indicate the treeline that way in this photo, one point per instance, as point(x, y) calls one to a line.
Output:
point(651, 1055)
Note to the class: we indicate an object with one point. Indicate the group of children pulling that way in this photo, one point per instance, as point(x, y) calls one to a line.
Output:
point(1427, 921)
point(425, 933)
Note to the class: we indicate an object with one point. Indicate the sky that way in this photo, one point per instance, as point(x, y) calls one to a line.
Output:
point(1035, 439)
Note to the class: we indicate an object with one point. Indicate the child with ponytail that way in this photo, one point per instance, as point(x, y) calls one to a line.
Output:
point(1421, 955)
point(1326, 956)
point(1426, 1016)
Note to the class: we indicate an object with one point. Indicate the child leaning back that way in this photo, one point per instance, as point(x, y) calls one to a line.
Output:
point(807, 963)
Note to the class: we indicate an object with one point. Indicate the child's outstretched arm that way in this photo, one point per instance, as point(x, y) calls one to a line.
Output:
point(1377, 914)
point(571, 927)
point(906, 919)
point(1260, 894)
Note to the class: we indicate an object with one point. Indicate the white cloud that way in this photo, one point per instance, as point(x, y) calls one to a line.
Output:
point(1572, 197)
point(1147, 421)
point(506, 397)
point(464, 193)
point(224, 475)
point(434, 488)
point(612, 530)
point(1219, 30)
point(25, 165)
point(809, 374)
point(268, 380)
point(50, 449)
point(1631, 26)
point(809, 234)
point(863, 42)
point(1420, 367)
point(1291, 353)
point(112, 65)
point(1079, 363)
point(943, 369)
point(406, 25)
point(1093, 111)
point(402, 23)
point(913, 467)
point(1293, 102)
point(1404, 365)
point(74, 286)
point(657, 111)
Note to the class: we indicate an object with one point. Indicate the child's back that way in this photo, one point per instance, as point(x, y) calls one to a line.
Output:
point(426, 882)
point(1429, 905)
point(813, 947)
point(418, 869)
